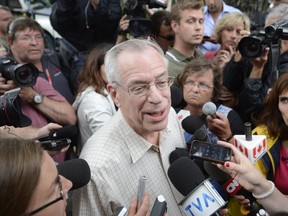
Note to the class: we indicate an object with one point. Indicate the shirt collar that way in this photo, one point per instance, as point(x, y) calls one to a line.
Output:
point(137, 145)
point(224, 10)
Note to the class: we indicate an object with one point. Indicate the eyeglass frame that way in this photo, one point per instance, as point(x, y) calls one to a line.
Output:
point(50, 203)
point(169, 81)
point(29, 38)
point(202, 86)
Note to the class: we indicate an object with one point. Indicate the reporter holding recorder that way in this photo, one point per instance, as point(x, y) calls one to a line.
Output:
point(241, 169)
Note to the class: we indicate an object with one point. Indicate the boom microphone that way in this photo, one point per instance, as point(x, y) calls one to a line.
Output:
point(202, 198)
point(210, 108)
point(68, 131)
point(75, 170)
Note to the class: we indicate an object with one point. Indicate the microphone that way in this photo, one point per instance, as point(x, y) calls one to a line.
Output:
point(75, 170)
point(176, 96)
point(192, 122)
point(209, 108)
point(252, 146)
point(178, 153)
point(201, 197)
point(232, 187)
point(159, 207)
point(68, 131)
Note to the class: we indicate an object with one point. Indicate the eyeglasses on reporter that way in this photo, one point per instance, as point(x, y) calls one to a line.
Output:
point(202, 86)
point(143, 89)
point(61, 197)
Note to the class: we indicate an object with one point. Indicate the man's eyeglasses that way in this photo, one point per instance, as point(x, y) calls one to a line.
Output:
point(29, 38)
point(50, 203)
point(168, 38)
point(192, 84)
point(143, 89)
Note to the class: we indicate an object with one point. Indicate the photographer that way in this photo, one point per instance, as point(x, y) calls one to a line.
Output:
point(39, 101)
point(251, 79)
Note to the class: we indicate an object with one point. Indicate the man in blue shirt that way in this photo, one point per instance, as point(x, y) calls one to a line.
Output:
point(214, 10)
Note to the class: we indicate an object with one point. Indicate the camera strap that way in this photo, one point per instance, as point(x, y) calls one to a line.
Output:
point(275, 58)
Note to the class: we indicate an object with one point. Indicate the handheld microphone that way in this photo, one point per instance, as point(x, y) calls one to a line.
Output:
point(209, 108)
point(75, 170)
point(176, 96)
point(159, 207)
point(252, 146)
point(202, 198)
point(232, 187)
point(191, 123)
point(68, 131)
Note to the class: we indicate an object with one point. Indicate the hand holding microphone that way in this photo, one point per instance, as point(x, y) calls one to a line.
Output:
point(217, 122)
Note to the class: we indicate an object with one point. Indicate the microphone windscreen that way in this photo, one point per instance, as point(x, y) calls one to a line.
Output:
point(75, 170)
point(200, 134)
point(68, 131)
point(185, 175)
point(209, 108)
point(215, 173)
point(191, 123)
point(176, 96)
point(177, 153)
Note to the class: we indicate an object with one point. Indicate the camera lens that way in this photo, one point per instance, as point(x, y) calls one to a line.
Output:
point(250, 47)
point(26, 74)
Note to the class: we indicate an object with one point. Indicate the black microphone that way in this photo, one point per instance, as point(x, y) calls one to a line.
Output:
point(210, 108)
point(178, 153)
point(159, 207)
point(68, 131)
point(176, 96)
point(191, 123)
point(201, 196)
point(75, 170)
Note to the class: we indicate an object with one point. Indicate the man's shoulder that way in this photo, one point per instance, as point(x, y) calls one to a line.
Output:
point(230, 8)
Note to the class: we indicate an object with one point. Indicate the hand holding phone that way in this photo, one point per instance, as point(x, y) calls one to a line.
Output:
point(54, 145)
point(141, 191)
point(210, 152)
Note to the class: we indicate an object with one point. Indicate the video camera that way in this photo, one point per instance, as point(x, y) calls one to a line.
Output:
point(139, 25)
point(252, 46)
point(23, 75)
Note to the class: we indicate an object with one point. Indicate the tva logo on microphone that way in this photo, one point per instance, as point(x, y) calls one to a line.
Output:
point(202, 201)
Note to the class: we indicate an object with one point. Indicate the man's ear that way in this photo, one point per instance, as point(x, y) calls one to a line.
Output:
point(114, 94)
point(174, 26)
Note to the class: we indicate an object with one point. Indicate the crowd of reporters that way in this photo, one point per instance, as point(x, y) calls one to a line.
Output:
point(102, 101)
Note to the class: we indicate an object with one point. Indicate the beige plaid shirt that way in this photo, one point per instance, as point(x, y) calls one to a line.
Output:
point(118, 157)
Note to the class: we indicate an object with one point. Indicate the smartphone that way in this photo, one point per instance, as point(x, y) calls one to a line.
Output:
point(210, 152)
point(54, 145)
point(141, 190)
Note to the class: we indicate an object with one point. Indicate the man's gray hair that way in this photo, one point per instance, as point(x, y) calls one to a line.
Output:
point(132, 45)
point(279, 12)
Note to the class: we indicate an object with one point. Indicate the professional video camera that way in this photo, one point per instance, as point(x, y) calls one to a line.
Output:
point(23, 74)
point(252, 46)
point(139, 25)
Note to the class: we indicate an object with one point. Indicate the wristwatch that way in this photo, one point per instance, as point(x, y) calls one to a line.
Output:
point(37, 99)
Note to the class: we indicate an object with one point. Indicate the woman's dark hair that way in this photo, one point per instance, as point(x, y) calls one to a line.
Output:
point(90, 74)
point(271, 116)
